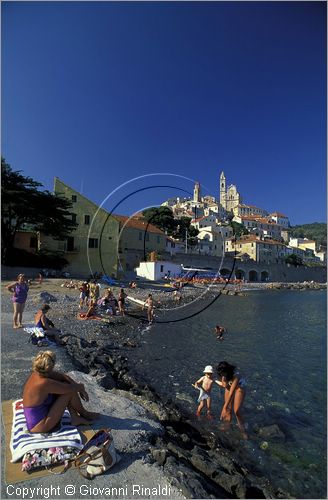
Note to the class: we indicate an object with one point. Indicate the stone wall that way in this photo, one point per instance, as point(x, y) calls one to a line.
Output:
point(259, 272)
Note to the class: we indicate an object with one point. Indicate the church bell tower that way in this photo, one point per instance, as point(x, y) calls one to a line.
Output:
point(223, 191)
point(197, 192)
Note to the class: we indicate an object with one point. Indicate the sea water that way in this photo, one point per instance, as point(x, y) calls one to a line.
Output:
point(277, 339)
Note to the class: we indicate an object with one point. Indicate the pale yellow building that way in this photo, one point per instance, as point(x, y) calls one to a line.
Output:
point(243, 209)
point(265, 251)
point(92, 246)
point(137, 238)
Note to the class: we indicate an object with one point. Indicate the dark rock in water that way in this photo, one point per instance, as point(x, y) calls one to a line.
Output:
point(190, 483)
point(223, 460)
point(234, 484)
point(272, 432)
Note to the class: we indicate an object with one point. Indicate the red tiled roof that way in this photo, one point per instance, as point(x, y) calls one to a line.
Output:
point(250, 206)
point(199, 218)
point(138, 223)
point(278, 214)
point(253, 238)
point(258, 218)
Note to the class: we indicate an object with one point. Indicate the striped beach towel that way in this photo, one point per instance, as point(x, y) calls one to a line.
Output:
point(22, 441)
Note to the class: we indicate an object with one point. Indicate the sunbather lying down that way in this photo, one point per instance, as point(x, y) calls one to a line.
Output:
point(48, 393)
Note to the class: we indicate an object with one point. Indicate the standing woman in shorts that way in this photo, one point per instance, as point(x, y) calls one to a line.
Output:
point(20, 290)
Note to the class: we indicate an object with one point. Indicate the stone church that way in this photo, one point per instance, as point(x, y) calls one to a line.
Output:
point(229, 197)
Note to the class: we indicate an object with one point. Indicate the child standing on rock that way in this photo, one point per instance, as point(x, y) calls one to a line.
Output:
point(204, 384)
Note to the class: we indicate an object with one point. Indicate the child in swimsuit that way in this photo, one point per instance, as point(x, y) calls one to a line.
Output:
point(205, 385)
point(121, 302)
point(150, 308)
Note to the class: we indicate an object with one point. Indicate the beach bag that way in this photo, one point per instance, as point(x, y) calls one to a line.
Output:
point(97, 456)
point(47, 457)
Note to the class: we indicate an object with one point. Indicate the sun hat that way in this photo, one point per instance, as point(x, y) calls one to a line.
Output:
point(208, 369)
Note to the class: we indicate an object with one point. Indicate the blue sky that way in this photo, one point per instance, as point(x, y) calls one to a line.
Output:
point(98, 93)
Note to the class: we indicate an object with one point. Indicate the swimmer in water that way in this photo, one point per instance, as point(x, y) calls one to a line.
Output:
point(220, 331)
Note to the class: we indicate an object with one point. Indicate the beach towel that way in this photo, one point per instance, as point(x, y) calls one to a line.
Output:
point(22, 441)
point(35, 331)
point(81, 316)
point(13, 472)
point(38, 336)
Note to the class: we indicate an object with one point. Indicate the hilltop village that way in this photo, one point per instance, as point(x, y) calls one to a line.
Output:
point(226, 230)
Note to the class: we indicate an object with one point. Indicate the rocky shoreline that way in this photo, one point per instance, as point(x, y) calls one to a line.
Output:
point(196, 462)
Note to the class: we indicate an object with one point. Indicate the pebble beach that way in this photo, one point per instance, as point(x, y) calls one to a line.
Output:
point(189, 460)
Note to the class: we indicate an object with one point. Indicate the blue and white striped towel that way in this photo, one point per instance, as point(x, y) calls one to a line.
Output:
point(22, 440)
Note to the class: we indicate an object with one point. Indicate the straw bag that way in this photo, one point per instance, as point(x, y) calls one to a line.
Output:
point(97, 456)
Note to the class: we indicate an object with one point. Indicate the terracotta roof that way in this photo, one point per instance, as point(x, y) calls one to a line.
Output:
point(278, 214)
point(251, 239)
point(258, 218)
point(199, 218)
point(250, 206)
point(138, 223)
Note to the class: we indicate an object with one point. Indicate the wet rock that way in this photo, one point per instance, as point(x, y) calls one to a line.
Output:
point(272, 432)
point(264, 445)
point(188, 482)
point(233, 484)
point(221, 458)
point(159, 455)
point(105, 380)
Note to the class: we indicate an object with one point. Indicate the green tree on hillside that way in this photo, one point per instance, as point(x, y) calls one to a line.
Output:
point(238, 229)
point(23, 203)
point(316, 231)
point(163, 218)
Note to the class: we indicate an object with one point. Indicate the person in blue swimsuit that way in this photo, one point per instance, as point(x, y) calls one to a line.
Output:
point(234, 394)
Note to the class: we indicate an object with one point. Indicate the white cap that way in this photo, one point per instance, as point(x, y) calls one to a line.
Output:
point(208, 369)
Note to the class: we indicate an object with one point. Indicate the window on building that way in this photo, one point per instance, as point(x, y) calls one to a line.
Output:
point(140, 235)
point(87, 220)
point(74, 198)
point(70, 244)
point(33, 242)
point(147, 237)
point(73, 217)
point(93, 242)
point(162, 269)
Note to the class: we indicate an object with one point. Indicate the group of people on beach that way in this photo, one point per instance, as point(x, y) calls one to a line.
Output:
point(90, 297)
point(47, 393)
point(234, 393)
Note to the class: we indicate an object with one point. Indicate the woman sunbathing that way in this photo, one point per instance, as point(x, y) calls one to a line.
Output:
point(91, 312)
point(48, 393)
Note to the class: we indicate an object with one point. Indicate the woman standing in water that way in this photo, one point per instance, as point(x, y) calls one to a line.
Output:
point(20, 290)
point(234, 394)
